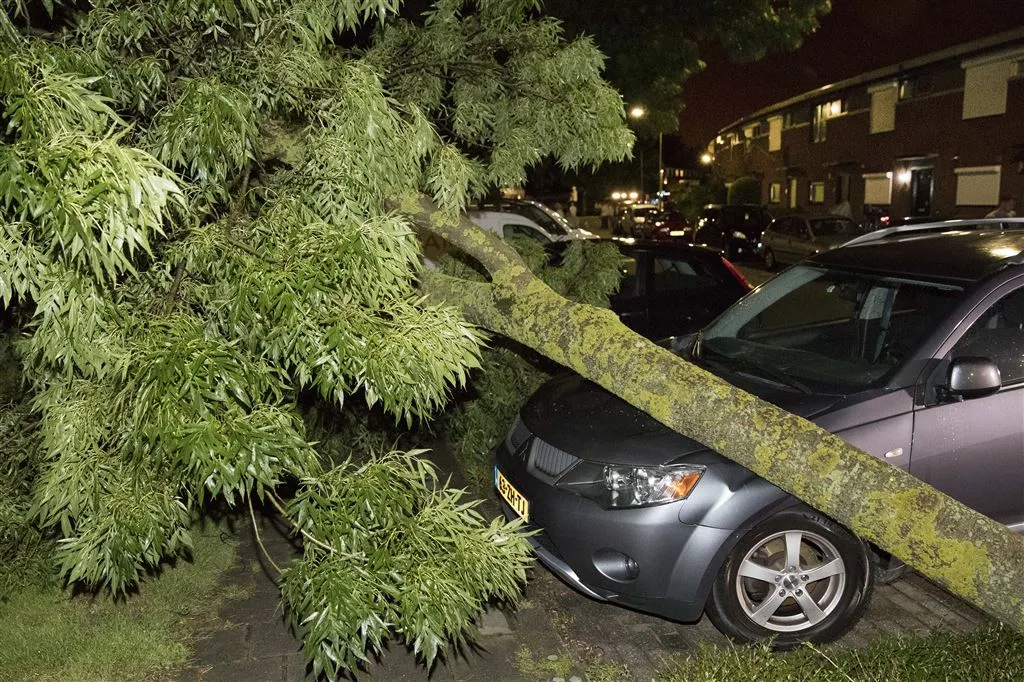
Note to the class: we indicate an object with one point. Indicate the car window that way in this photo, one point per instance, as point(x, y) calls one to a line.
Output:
point(999, 336)
point(629, 285)
point(833, 227)
point(547, 220)
point(676, 274)
point(835, 330)
point(741, 216)
point(513, 230)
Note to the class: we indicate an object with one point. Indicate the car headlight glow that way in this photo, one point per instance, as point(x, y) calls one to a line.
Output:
point(738, 235)
point(616, 486)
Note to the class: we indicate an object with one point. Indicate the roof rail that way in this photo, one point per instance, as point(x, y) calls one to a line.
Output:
point(938, 226)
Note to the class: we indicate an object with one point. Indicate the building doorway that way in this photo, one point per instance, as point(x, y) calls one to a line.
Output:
point(922, 184)
point(794, 197)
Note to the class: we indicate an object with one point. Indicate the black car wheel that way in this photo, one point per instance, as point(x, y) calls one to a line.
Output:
point(796, 577)
point(769, 260)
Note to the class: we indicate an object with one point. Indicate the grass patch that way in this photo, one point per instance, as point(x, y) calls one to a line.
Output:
point(562, 666)
point(557, 665)
point(47, 634)
point(983, 656)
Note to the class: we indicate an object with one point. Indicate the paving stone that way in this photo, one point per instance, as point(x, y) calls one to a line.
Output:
point(272, 638)
point(246, 671)
point(493, 622)
point(223, 646)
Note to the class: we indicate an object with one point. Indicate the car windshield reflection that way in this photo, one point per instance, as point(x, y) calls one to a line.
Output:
point(834, 331)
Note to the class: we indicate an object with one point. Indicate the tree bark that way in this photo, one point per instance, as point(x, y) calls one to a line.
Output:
point(970, 554)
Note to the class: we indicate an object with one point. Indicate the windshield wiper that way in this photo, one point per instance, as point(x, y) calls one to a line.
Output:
point(742, 365)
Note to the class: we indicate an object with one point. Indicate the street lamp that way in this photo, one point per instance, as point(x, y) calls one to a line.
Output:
point(638, 112)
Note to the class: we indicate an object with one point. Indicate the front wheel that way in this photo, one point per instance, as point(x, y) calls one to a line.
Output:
point(769, 260)
point(796, 577)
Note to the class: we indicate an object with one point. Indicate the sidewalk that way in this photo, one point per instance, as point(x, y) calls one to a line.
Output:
point(556, 634)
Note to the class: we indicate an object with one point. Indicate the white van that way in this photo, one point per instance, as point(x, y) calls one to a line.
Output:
point(512, 218)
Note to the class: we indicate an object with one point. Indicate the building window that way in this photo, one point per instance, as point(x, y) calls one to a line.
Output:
point(774, 133)
point(878, 189)
point(977, 185)
point(822, 113)
point(985, 84)
point(907, 88)
point(883, 107)
point(817, 194)
point(775, 192)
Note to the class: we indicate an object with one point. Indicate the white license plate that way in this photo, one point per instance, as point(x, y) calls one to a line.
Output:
point(513, 497)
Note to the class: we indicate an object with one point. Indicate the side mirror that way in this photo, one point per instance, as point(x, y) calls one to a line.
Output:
point(973, 377)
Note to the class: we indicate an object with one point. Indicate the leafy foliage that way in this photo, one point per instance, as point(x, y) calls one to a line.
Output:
point(745, 190)
point(195, 240)
point(584, 272)
point(388, 559)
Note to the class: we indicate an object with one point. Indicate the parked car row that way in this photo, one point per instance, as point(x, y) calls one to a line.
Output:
point(792, 238)
point(908, 342)
point(733, 230)
point(646, 221)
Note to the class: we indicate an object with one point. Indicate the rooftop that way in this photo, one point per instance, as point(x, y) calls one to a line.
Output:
point(1004, 40)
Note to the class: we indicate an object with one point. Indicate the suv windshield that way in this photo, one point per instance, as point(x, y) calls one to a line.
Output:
point(824, 330)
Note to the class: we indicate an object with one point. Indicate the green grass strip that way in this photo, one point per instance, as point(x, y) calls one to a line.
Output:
point(985, 655)
point(47, 634)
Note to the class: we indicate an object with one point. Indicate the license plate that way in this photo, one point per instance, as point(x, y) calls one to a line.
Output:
point(513, 497)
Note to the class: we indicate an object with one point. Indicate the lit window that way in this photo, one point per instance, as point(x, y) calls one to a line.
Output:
point(977, 185)
point(985, 84)
point(822, 113)
point(817, 195)
point(908, 86)
point(774, 133)
point(883, 106)
point(878, 188)
point(775, 192)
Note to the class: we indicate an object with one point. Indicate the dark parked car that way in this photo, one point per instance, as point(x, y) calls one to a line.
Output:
point(663, 225)
point(792, 238)
point(732, 230)
point(672, 289)
point(908, 343)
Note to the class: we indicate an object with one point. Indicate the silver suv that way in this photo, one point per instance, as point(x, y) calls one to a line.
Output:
point(908, 343)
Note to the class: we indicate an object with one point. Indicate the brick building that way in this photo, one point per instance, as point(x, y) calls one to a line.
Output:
point(939, 135)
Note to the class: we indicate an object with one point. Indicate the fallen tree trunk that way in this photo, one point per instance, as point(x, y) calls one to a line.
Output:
point(971, 555)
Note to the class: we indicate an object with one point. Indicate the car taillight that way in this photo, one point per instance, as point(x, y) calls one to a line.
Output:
point(736, 273)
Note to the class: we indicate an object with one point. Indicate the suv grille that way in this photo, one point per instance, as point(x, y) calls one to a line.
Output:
point(550, 460)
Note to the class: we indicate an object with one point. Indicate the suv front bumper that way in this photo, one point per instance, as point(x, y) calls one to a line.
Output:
point(590, 548)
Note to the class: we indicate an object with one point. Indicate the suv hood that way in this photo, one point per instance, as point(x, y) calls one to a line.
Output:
point(581, 418)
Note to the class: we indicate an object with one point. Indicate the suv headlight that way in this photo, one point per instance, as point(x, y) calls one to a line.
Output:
point(616, 486)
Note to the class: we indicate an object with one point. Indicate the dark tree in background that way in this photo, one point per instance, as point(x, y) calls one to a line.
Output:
point(653, 46)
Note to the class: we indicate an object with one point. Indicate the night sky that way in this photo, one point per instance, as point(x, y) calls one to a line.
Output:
point(857, 36)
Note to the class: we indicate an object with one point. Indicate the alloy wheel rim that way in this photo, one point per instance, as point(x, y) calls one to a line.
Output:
point(790, 581)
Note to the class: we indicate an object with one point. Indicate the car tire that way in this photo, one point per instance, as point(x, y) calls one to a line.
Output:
point(769, 260)
point(762, 593)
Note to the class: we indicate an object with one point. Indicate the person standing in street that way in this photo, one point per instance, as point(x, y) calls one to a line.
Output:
point(1005, 209)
